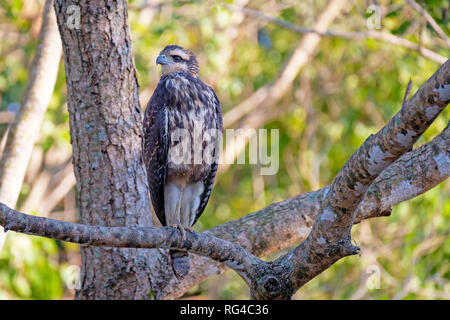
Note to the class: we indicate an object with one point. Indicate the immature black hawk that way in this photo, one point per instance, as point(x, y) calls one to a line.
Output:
point(182, 133)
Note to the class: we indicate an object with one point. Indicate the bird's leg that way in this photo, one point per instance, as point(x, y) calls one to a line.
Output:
point(178, 225)
point(182, 229)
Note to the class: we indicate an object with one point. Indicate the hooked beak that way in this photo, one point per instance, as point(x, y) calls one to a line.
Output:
point(162, 60)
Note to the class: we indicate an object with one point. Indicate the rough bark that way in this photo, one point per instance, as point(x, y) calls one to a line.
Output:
point(329, 239)
point(105, 128)
point(25, 128)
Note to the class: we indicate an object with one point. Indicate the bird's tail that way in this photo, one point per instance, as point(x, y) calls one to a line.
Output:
point(180, 262)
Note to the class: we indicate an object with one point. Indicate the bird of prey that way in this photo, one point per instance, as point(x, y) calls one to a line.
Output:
point(182, 132)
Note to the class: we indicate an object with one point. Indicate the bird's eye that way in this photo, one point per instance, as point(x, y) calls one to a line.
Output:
point(176, 58)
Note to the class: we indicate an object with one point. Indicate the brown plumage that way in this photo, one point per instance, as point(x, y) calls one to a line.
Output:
point(182, 131)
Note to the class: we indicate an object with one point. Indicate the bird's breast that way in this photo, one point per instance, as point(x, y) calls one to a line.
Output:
point(192, 133)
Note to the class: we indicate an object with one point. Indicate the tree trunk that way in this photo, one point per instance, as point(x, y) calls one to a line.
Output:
point(105, 129)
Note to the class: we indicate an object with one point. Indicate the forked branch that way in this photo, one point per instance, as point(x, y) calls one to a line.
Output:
point(329, 239)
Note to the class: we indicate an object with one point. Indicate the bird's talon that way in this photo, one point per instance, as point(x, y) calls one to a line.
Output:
point(189, 229)
point(182, 231)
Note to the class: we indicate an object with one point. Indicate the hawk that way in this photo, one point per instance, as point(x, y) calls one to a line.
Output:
point(182, 132)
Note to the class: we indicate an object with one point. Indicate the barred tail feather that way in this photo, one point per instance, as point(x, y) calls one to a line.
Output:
point(180, 262)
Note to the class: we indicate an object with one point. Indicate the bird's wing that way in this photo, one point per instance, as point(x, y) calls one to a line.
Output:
point(155, 152)
point(208, 181)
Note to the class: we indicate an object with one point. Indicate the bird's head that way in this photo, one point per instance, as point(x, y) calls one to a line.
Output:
point(174, 58)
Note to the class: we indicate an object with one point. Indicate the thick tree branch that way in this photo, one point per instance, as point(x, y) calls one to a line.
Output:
point(329, 239)
point(289, 222)
point(337, 206)
point(266, 231)
point(203, 243)
point(413, 174)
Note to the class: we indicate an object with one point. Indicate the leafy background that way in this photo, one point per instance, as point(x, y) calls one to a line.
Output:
point(348, 91)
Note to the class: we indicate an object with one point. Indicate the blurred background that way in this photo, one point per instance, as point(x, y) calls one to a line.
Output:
point(347, 89)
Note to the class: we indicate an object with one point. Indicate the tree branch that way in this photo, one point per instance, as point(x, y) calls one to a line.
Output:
point(430, 21)
point(203, 243)
point(289, 222)
point(413, 174)
point(329, 239)
point(302, 54)
point(371, 34)
point(269, 94)
point(266, 231)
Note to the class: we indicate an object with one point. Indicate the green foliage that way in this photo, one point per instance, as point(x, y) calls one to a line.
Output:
point(348, 91)
point(30, 269)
